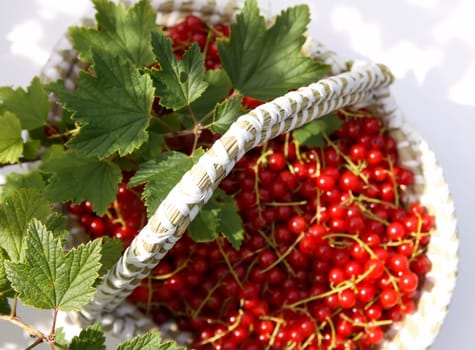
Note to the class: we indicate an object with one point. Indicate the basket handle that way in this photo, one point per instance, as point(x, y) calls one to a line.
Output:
point(196, 187)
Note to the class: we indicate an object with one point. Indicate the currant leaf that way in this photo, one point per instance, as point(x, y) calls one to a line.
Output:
point(30, 106)
point(312, 133)
point(31, 148)
point(16, 212)
point(16, 181)
point(76, 177)
point(230, 222)
point(149, 341)
point(5, 308)
point(160, 176)
point(91, 337)
point(60, 337)
point(204, 227)
point(51, 279)
point(178, 82)
point(168, 123)
point(112, 107)
point(152, 148)
point(57, 223)
point(5, 288)
point(112, 249)
point(219, 87)
point(226, 113)
point(219, 215)
point(264, 63)
point(11, 144)
point(121, 32)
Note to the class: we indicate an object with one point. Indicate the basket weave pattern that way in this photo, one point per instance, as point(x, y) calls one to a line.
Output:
point(364, 85)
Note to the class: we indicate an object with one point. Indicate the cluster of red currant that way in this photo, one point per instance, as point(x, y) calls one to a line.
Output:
point(331, 257)
point(123, 220)
point(194, 30)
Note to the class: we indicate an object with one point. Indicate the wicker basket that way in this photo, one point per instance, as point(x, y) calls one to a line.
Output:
point(351, 83)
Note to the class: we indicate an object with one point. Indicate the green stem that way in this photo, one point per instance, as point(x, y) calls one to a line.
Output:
point(228, 263)
point(14, 307)
point(356, 239)
point(166, 276)
point(53, 323)
point(28, 328)
point(339, 288)
point(283, 256)
point(35, 344)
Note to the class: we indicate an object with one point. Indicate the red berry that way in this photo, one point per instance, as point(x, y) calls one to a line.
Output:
point(276, 161)
point(408, 282)
point(395, 231)
point(96, 226)
point(297, 224)
point(388, 298)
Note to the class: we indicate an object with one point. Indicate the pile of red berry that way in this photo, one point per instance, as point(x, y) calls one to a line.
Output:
point(331, 257)
point(194, 30)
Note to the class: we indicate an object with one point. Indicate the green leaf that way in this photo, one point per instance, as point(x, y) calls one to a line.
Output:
point(50, 279)
point(89, 338)
point(5, 288)
point(52, 152)
point(204, 227)
point(160, 176)
point(57, 223)
point(60, 337)
point(122, 32)
point(153, 147)
point(178, 82)
point(76, 177)
point(219, 215)
point(112, 249)
point(230, 222)
point(4, 306)
point(15, 181)
point(11, 143)
point(30, 106)
point(311, 134)
point(264, 63)
point(112, 107)
point(219, 87)
point(31, 148)
point(16, 212)
point(168, 123)
point(226, 113)
point(149, 341)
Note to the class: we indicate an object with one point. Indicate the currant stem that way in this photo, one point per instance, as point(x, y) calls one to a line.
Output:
point(53, 325)
point(14, 306)
point(339, 288)
point(283, 256)
point(28, 328)
point(228, 263)
point(418, 236)
point(353, 113)
point(273, 335)
point(72, 132)
point(230, 329)
point(37, 342)
point(273, 244)
point(356, 239)
point(170, 274)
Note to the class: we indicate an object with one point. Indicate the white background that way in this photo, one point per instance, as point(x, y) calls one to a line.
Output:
point(428, 44)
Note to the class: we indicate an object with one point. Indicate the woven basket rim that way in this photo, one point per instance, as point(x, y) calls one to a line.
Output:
point(444, 279)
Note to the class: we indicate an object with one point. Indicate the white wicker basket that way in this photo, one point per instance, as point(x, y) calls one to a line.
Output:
point(352, 83)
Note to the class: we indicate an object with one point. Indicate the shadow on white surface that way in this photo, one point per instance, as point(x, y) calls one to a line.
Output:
point(429, 46)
